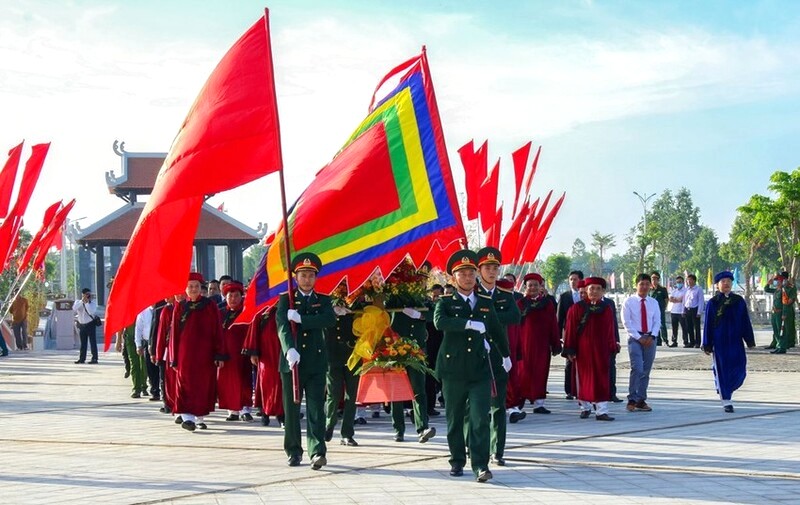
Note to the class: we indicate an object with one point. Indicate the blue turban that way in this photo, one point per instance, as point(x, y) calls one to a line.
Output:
point(723, 275)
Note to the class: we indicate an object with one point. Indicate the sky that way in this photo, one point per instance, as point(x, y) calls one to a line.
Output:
point(622, 96)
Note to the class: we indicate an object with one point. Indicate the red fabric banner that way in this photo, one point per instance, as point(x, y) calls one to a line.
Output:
point(475, 168)
point(528, 228)
point(493, 234)
point(534, 245)
point(508, 249)
point(49, 237)
point(7, 178)
point(520, 159)
point(487, 202)
point(230, 136)
point(47, 221)
point(33, 167)
point(9, 232)
point(532, 172)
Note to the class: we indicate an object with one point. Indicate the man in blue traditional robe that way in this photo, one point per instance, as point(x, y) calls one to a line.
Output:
point(727, 328)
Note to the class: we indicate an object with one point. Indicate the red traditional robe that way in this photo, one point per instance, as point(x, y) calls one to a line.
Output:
point(514, 395)
point(195, 344)
point(235, 379)
point(589, 336)
point(262, 341)
point(539, 339)
point(162, 346)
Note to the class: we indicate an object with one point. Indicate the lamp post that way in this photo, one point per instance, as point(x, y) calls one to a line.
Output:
point(644, 200)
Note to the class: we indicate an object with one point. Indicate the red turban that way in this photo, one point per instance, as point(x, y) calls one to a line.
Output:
point(196, 276)
point(232, 286)
point(595, 280)
point(533, 276)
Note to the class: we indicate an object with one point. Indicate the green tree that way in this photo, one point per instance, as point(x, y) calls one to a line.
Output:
point(555, 270)
point(602, 243)
point(672, 225)
point(252, 257)
point(705, 253)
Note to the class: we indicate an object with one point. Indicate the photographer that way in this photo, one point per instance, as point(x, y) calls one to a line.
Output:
point(85, 309)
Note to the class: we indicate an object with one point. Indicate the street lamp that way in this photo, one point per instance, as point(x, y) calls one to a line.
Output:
point(644, 200)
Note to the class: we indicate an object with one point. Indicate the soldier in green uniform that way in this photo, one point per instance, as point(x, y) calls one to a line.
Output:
point(467, 319)
point(311, 314)
point(340, 380)
point(660, 294)
point(784, 296)
point(410, 323)
point(505, 306)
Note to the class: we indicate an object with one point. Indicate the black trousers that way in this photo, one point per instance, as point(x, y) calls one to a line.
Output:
point(692, 327)
point(678, 320)
point(88, 334)
point(153, 372)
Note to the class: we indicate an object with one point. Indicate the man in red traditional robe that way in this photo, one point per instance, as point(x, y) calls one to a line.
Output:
point(195, 351)
point(588, 344)
point(235, 380)
point(539, 339)
point(264, 348)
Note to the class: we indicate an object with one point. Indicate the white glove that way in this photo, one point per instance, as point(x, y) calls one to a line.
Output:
point(486, 345)
point(293, 357)
point(507, 364)
point(476, 326)
point(341, 311)
point(413, 314)
point(293, 315)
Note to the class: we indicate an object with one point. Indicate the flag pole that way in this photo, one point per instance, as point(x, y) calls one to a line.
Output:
point(286, 250)
point(6, 304)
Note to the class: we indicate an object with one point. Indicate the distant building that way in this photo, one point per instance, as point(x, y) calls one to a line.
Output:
point(218, 246)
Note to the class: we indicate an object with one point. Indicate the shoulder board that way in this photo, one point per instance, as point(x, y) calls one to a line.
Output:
point(504, 290)
point(282, 293)
point(484, 296)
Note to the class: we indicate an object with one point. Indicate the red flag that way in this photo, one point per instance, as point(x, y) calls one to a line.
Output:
point(7, 178)
point(474, 163)
point(487, 203)
point(9, 236)
point(532, 172)
point(33, 167)
point(232, 123)
point(47, 221)
point(527, 229)
point(493, 234)
point(520, 158)
point(509, 248)
point(533, 247)
point(49, 237)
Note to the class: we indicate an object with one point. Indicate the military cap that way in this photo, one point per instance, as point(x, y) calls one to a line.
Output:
point(462, 259)
point(595, 280)
point(306, 261)
point(723, 275)
point(489, 256)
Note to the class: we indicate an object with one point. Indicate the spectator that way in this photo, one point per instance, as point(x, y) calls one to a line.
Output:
point(693, 303)
point(85, 309)
point(659, 294)
point(19, 321)
point(676, 296)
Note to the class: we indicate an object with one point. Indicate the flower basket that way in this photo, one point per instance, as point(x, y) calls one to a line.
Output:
point(384, 385)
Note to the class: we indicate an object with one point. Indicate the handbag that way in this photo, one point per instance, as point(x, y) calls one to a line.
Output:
point(96, 321)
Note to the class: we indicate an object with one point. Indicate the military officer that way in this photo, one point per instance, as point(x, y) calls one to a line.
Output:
point(301, 329)
point(467, 320)
point(505, 306)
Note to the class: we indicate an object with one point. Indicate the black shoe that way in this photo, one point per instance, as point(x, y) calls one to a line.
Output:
point(127, 374)
point(178, 420)
point(349, 441)
point(728, 408)
point(79, 362)
point(456, 471)
point(540, 410)
point(515, 417)
point(281, 421)
point(294, 461)
point(778, 351)
point(232, 417)
point(135, 394)
point(427, 434)
point(616, 399)
point(5, 353)
point(318, 461)
point(399, 438)
point(376, 415)
point(145, 393)
point(769, 347)
point(188, 425)
point(202, 426)
point(360, 420)
point(484, 475)
point(387, 408)
point(264, 420)
point(155, 398)
point(603, 417)
point(674, 344)
point(433, 412)
point(498, 460)
point(93, 362)
point(570, 397)
point(585, 414)
point(246, 417)
point(328, 433)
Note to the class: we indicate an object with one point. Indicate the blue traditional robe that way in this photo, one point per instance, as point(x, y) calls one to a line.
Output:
point(727, 328)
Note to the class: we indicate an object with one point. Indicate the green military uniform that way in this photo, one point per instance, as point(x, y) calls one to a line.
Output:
point(340, 380)
point(138, 370)
point(317, 315)
point(415, 330)
point(463, 368)
point(783, 321)
point(661, 295)
point(507, 313)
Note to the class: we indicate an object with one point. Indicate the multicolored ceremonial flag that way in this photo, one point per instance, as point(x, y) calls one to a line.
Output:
point(387, 194)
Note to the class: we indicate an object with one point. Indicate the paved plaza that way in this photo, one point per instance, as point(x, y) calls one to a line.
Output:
point(70, 433)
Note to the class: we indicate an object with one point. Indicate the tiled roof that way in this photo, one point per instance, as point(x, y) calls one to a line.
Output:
point(118, 226)
point(139, 173)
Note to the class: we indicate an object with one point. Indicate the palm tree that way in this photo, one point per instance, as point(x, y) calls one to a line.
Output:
point(602, 243)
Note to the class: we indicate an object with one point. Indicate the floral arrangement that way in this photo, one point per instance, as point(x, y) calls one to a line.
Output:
point(405, 287)
point(394, 352)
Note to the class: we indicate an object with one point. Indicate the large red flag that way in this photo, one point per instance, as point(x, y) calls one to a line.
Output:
point(475, 166)
point(520, 159)
point(532, 172)
point(47, 221)
point(9, 236)
point(532, 248)
point(509, 244)
point(528, 228)
point(49, 237)
point(487, 202)
point(33, 167)
point(230, 136)
point(493, 233)
point(7, 178)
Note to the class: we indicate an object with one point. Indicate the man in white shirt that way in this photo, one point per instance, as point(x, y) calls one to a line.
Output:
point(85, 309)
point(641, 316)
point(693, 304)
point(676, 296)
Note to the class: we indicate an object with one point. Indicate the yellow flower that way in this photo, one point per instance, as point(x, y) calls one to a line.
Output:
point(402, 352)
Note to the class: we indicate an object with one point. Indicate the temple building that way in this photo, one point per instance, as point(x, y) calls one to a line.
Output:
point(219, 243)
